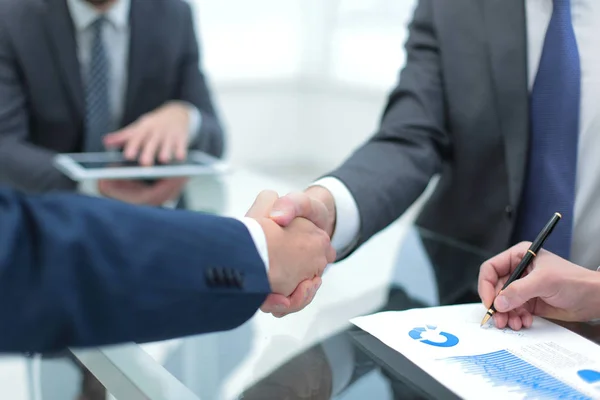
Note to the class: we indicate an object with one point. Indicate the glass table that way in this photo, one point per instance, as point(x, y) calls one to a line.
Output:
point(314, 354)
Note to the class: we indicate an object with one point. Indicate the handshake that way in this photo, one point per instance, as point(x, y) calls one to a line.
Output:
point(298, 228)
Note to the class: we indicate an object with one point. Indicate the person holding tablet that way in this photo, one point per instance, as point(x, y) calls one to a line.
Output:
point(87, 75)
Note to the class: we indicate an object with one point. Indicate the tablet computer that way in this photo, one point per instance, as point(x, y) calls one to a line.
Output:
point(112, 165)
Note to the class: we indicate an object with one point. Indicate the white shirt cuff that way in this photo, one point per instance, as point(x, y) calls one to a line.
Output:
point(195, 122)
point(259, 238)
point(347, 217)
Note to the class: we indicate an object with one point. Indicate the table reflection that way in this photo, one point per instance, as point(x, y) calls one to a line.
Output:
point(312, 354)
point(332, 368)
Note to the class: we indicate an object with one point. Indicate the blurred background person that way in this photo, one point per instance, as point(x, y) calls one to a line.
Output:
point(87, 75)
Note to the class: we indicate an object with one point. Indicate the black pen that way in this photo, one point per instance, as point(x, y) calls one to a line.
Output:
point(527, 259)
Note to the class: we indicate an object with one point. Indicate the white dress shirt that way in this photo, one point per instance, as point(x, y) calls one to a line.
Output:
point(586, 21)
point(116, 35)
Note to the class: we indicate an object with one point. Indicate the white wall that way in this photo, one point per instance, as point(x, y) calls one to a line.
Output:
point(300, 83)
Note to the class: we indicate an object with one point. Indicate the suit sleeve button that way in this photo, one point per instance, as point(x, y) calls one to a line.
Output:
point(229, 277)
point(210, 276)
point(219, 276)
point(238, 279)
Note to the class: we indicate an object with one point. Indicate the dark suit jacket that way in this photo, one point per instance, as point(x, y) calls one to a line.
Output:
point(42, 104)
point(82, 271)
point(460, 110)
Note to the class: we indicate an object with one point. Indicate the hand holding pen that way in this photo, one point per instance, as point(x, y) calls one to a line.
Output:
point(551, 287)
point(526, 260)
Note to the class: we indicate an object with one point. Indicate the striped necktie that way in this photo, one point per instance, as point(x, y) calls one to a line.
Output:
point(549, 185)
point(97, 107)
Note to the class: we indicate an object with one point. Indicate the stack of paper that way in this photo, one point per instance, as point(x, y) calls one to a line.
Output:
point(545, 361)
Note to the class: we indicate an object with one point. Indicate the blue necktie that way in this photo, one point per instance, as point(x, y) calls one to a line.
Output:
point(96, 94)
point(549, 185)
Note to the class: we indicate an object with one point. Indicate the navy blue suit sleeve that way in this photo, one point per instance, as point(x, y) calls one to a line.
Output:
point(78, 271)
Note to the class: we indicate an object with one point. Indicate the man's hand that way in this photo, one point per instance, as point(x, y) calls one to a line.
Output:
point(316, 205)
point(162, 133)
point(551, 288)
point(298, 253)
point(140, 193)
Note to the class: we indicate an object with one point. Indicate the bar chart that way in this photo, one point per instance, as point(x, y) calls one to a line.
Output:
point(505, 370)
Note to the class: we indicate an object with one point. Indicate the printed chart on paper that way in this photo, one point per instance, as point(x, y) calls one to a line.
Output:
point(545, 361)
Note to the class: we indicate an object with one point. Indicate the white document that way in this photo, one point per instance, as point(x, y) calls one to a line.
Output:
point(545, 361)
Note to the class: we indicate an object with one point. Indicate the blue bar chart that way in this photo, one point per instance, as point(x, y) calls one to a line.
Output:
point(505, 370)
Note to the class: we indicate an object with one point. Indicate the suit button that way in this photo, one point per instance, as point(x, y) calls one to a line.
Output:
point(509, 211)
point(219, 276)
point(238, 278)
point(210, 276)
point(228, 274)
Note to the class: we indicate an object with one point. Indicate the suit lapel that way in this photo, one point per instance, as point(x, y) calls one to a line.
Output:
point(142, 38)
point(505, 21)
point(61, 37)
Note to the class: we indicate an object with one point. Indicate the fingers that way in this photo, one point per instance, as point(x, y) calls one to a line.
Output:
point(117, 139)
point(164, 190)
point(180, 149)
point(522, 290)
point(301, 297)
point(152, 142)
point(515, 319)
point(297, 204)
point(128, 191)
point(134, 143)
point(496, 268)
point(263, 204)
point(501, 320)
point(276, 303)
point(166, 151)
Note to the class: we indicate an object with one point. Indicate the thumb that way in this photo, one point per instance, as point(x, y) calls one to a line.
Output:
point(519, 292)
point(263, 204)
point(300, 205)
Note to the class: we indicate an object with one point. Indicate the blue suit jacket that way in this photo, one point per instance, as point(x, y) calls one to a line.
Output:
point(79, 271)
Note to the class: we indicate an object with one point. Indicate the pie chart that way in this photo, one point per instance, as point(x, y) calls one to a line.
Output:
point(590, 376)
point(431, 336)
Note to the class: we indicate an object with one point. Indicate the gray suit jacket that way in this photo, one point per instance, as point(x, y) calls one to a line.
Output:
point(460, 109)
point(41, 94)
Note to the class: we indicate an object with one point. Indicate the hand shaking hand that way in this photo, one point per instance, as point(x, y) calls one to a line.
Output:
point(298, 254)
point(315, 205)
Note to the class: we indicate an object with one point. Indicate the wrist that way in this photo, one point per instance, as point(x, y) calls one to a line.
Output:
point(323, 195)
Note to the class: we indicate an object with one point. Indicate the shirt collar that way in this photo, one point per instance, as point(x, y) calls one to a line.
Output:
point(83, 14)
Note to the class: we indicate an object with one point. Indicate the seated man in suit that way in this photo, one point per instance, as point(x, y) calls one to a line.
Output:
point(71, 275)
point(84, 75)
point(499, 99)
